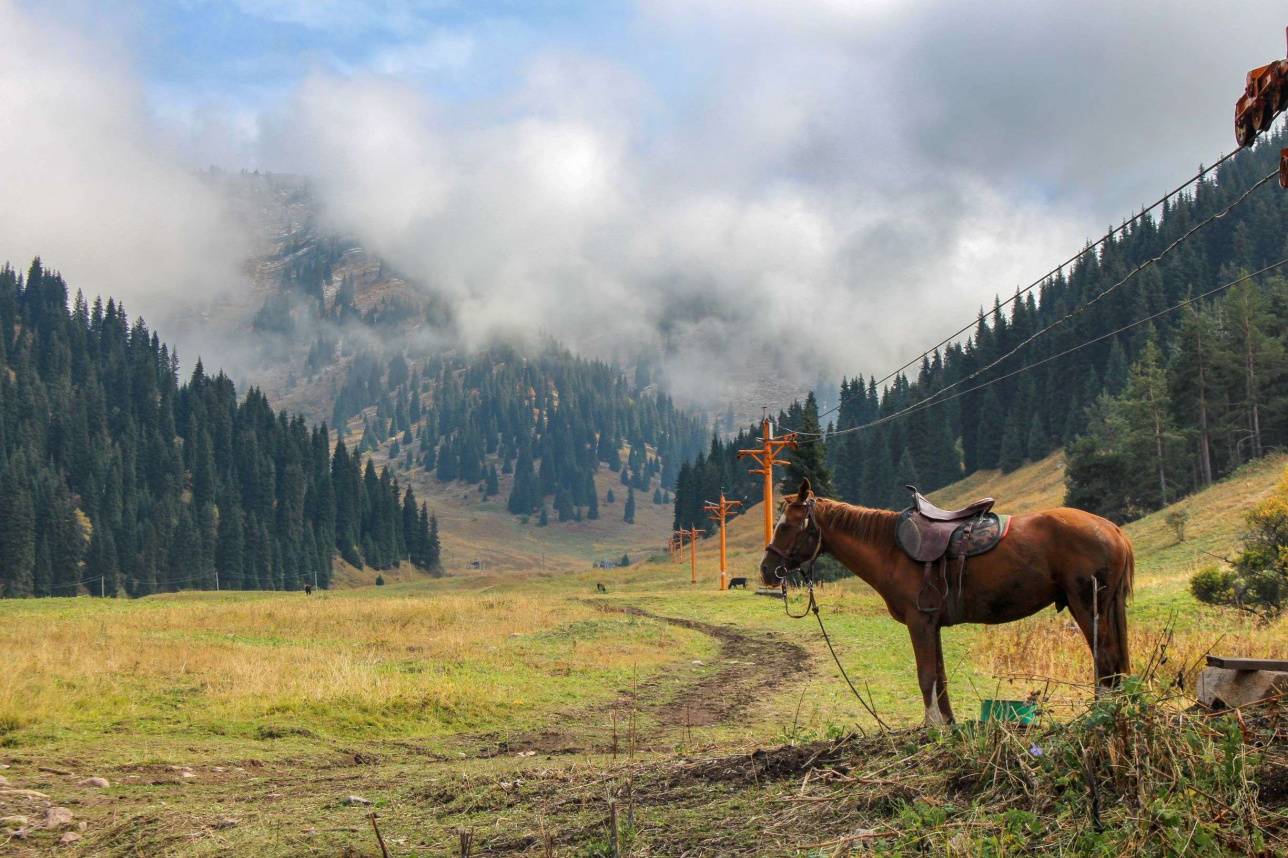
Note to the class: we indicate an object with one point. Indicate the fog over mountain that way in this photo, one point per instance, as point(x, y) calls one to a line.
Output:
point(802, 190)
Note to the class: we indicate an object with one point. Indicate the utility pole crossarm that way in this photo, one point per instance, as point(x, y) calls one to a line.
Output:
point(766, 455)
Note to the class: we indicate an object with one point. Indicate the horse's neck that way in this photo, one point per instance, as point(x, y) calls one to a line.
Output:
point(864, 557)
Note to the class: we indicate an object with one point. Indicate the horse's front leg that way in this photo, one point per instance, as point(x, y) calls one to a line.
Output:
point(925, 646)
point(945, 708)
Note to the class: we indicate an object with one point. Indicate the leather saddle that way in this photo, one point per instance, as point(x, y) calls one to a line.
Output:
point(925, 531)
point(930, 534)
point(926, 509)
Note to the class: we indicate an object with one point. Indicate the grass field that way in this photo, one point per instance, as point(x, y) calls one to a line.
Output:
point(512, 703)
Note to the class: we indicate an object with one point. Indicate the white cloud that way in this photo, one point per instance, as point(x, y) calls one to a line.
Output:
point(87, 186)
point(837, 184)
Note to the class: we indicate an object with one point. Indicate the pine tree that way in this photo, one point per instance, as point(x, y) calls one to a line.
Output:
point(1037, 444)
point(989, 434)
point(628, 511)
point(1011, 455)
point(17, 531)
point(809, 459)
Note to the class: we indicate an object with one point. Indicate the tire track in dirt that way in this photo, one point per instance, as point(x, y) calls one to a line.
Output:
point(749, 666)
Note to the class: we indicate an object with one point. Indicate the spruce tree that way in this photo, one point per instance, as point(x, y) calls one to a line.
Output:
point(628, 510)
point(17, 530)
point(1014, 436)
point(808, 459)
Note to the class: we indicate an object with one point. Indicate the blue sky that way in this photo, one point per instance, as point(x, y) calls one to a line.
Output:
point(251, 52)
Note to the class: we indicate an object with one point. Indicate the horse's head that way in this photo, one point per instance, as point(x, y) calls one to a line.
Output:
point(797, 539)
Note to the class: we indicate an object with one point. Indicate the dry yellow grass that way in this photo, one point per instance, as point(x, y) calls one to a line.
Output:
point(411, 662)
point(1050, 645)
point(1037, 485)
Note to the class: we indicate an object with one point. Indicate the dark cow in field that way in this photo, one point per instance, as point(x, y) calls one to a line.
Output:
point(738, 582)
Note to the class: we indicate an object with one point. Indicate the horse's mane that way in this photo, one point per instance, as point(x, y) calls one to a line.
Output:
point(861, 522)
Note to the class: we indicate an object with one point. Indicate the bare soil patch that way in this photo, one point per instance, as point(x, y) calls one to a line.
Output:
point(748, 667)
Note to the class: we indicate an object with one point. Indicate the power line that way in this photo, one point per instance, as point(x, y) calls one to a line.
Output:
point(1085, 305)
point(927, 403)
point(1203, 171)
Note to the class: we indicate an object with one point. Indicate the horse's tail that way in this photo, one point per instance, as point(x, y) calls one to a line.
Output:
point(1119, 591)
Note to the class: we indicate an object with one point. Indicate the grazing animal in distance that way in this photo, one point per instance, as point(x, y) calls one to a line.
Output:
point(308, 589)
point(600, 588)
point(738, 582)
point(1062, 556)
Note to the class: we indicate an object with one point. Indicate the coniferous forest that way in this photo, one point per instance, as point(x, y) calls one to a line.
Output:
point(1145, 416)
point(551, 421)
point(117, 479)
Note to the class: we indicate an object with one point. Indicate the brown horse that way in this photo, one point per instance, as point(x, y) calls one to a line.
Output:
point(1062, 556)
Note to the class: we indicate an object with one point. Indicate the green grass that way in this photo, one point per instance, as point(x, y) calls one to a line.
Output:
point(437, 686)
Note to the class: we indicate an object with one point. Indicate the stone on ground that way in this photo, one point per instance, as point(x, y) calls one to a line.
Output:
point(1223, 688)
point(58, 817)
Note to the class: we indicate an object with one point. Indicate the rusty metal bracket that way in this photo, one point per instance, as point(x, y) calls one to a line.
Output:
point(1265, 96)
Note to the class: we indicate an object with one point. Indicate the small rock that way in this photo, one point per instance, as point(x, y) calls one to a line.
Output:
point(357, 800)
point(68, 838)
point(57, 817)
point(101, 783)
point(226, 822)
point(20, 834)
point(22, 793)
point(697, 661)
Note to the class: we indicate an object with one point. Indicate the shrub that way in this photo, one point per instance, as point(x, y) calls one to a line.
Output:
point(1176, 520)
point(1257, 580)
point(380, 580)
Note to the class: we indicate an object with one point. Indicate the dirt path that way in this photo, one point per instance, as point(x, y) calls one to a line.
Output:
point(747, 668)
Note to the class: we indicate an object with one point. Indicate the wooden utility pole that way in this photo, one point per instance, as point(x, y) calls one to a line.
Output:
point(719, 512)
point(766, 456)
point(693, 555)
point(677, 545)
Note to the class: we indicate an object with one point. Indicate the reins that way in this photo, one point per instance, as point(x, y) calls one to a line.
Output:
point(806, 571)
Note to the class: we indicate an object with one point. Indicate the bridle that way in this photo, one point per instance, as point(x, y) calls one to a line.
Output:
point(806, 567)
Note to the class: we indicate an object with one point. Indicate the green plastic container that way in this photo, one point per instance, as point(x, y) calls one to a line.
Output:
point(1016, 711)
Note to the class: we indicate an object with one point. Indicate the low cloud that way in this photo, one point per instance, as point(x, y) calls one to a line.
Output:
point(742, 187)
point(89, 185)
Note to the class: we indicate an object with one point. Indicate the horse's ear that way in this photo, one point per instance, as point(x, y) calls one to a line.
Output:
point(805, 490)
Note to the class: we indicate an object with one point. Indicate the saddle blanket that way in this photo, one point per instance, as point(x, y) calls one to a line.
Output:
point(923, 541)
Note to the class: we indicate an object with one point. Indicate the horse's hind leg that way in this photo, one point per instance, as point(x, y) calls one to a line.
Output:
point(1091, 609)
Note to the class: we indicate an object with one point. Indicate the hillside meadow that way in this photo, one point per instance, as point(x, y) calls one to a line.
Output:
point(511, 705)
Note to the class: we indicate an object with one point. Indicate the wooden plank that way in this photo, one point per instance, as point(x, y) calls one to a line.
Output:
point(1247, 663)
